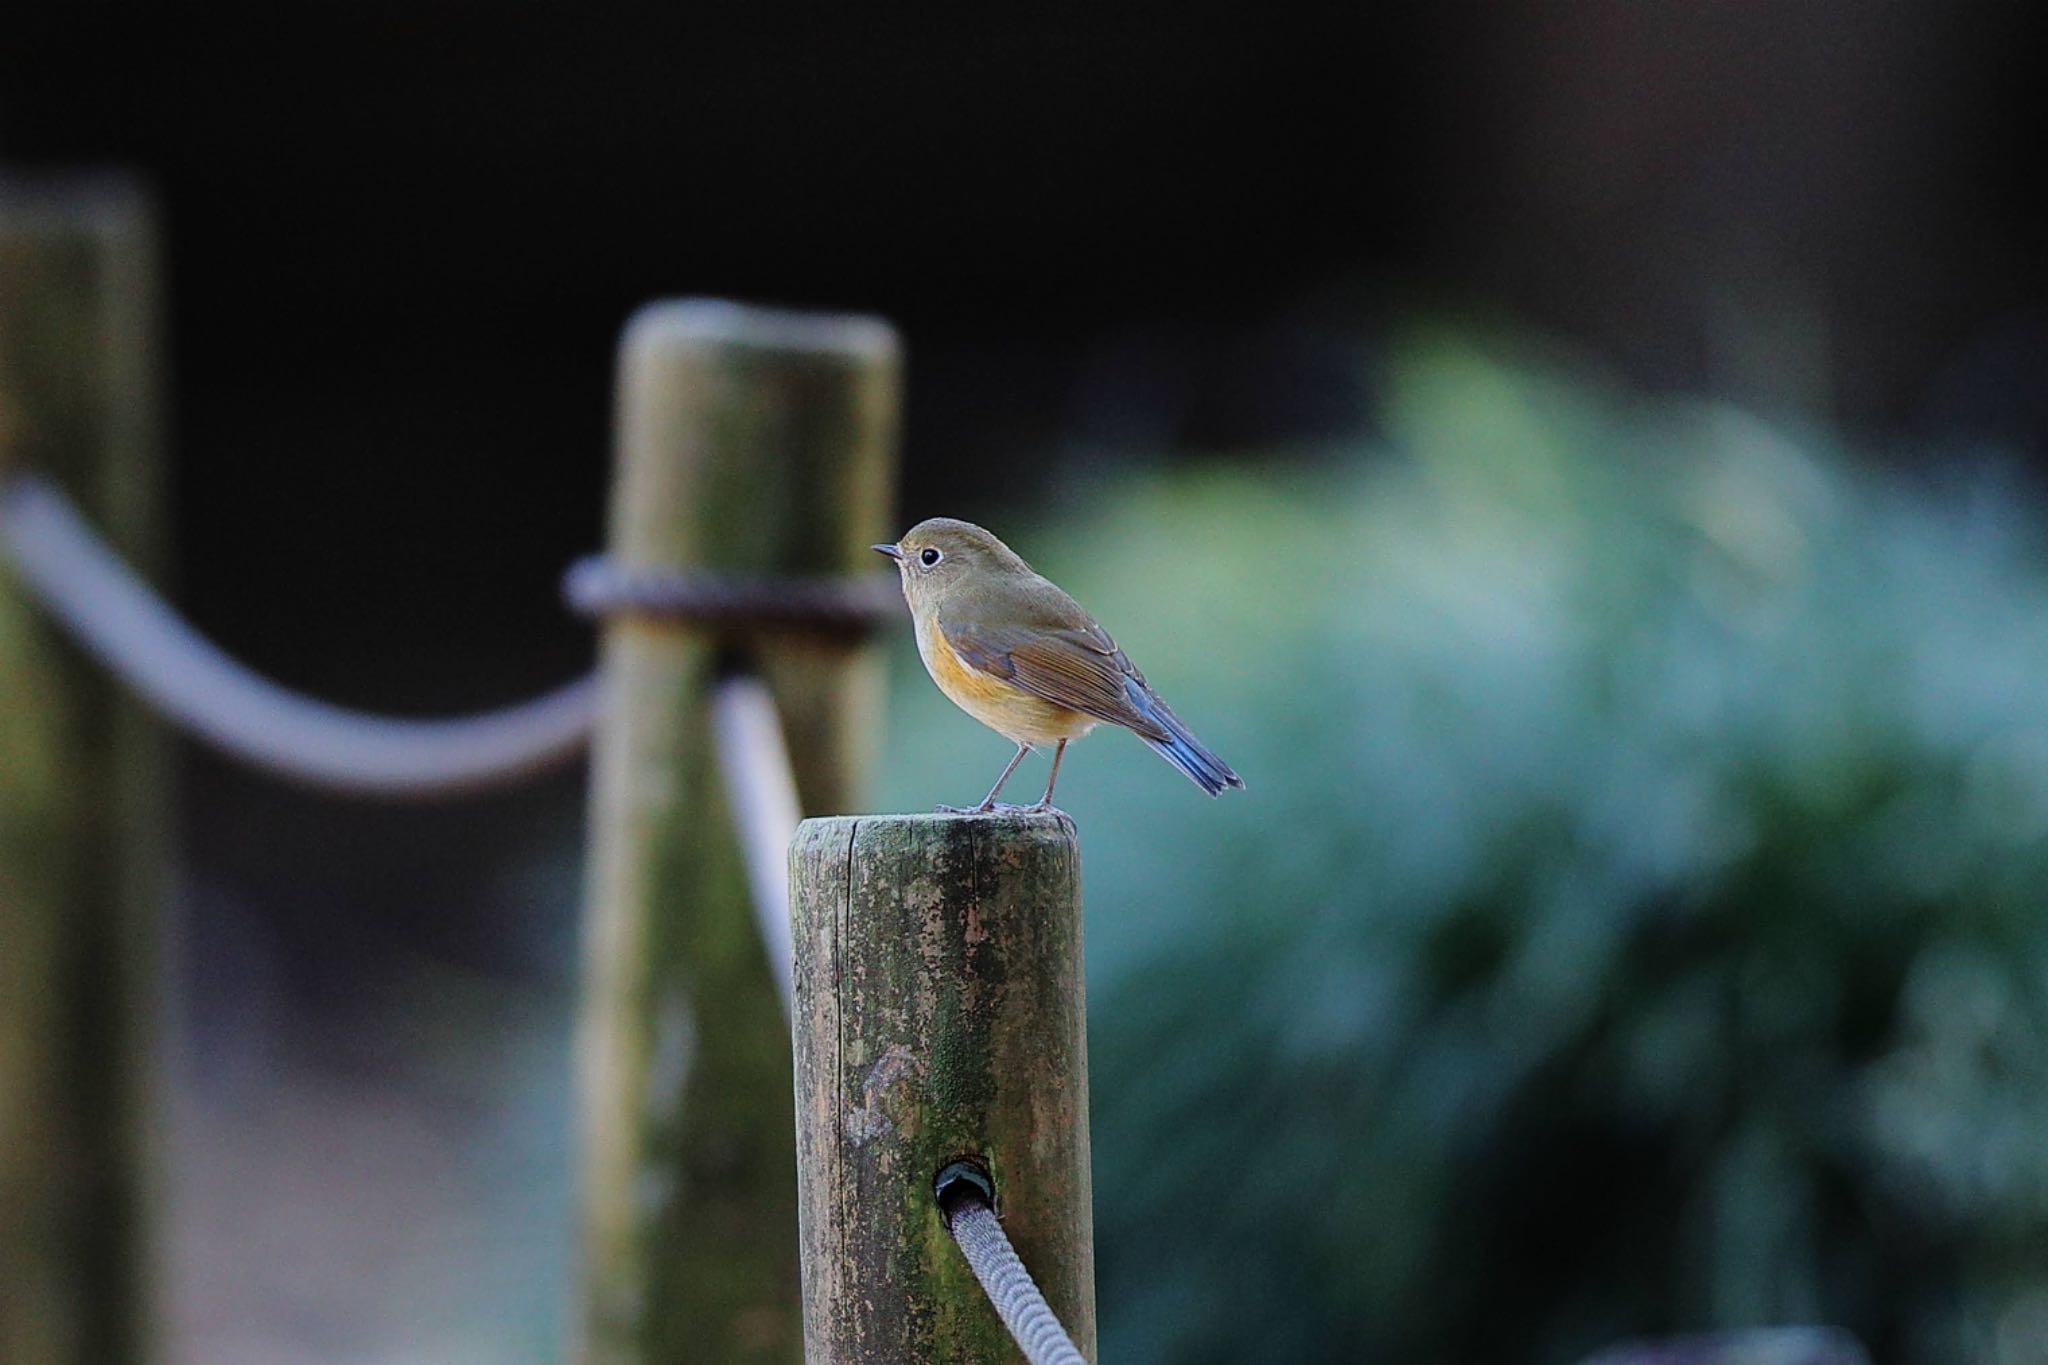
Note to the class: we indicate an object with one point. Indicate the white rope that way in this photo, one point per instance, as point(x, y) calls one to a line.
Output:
point(759, 788)
point(1009, 1285)
point(116, 617)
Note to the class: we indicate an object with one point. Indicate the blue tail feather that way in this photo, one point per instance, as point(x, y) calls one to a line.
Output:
point(1180, 747)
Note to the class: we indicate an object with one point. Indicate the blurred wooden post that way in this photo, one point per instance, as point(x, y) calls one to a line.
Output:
point(748, 442)
point(938, 1017)
point(80, 792)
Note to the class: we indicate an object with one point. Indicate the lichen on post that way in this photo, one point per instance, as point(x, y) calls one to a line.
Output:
point(939, 1016)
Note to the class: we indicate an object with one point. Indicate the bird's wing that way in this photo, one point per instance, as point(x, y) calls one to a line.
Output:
point(1066, 659)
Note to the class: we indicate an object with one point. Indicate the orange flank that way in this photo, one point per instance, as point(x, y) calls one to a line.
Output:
point(1009, 710)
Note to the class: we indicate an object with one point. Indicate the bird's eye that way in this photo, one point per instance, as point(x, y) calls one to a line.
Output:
point(929, 556)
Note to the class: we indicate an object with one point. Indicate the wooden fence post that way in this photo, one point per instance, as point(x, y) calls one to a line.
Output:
point(80, 793)
point(749, 442)
point(938, 1017)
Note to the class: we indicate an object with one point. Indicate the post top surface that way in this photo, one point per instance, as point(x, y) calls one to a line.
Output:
point(89, 203)
point(722, 322)
point(1000, 819)
point(1055, 824)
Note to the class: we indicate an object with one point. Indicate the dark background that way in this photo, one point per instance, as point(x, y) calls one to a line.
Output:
point(401, 239)
point(403, 236)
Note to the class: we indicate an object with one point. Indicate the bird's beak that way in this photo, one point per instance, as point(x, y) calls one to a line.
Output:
point(894, 552)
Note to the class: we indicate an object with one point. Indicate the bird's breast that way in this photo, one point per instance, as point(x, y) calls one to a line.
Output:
point(1021, 716)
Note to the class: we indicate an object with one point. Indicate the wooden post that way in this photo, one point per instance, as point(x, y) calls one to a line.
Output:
point(80, 792)
point(938, 1017)
point(749, 442)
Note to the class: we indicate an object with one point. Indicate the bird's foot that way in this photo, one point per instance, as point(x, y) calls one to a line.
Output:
point(985, 808)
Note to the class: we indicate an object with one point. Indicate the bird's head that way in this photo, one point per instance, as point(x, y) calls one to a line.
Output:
point(939, 556)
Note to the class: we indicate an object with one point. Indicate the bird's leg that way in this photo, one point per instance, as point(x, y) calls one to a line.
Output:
point(988, 803)
point(1045, 801)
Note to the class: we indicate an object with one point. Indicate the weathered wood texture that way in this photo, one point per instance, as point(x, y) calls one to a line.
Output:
point(749, 442)
point(938, 1015)
point(80, 793)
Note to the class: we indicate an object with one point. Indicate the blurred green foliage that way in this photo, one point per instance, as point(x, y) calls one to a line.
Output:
point(1635, 921)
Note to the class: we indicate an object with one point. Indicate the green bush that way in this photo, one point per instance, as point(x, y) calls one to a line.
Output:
point(1635, 921)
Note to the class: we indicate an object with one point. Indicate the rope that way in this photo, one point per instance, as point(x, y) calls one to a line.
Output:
point(852, 606)
point(761, 793)
point(1008, 1284)
point(117, 618)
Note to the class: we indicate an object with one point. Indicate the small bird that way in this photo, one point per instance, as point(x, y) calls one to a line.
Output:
point(1020, 656)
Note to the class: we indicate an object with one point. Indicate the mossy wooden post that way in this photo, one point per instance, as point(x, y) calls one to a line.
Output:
point(749, 442)
point(80, 791)
point(938, 1017)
